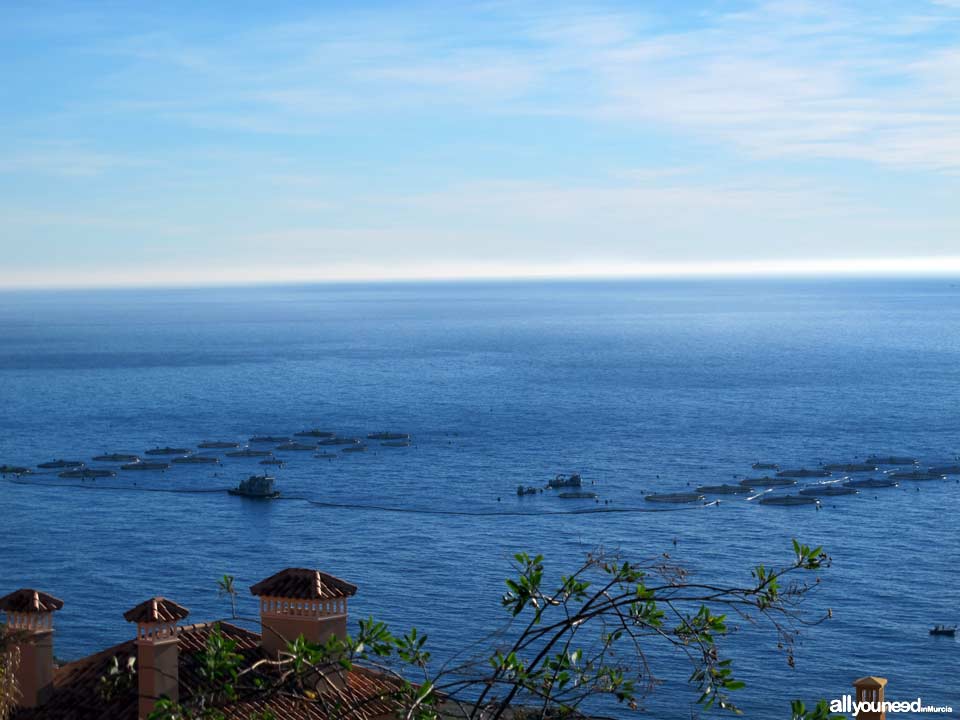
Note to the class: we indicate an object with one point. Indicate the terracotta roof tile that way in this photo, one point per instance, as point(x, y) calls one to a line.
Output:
point(304, 584)
point(26, 600)
point(76, 693)
point(156, 610)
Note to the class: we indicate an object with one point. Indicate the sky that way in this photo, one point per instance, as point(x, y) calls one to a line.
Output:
point(205, 143)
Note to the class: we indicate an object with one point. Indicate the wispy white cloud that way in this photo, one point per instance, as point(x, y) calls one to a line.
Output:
point(782, 79)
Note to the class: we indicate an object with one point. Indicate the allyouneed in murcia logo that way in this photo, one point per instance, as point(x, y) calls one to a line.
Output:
point(875, 708)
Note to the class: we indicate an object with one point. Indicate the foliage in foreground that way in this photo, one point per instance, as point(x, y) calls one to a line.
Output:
point(582, 640)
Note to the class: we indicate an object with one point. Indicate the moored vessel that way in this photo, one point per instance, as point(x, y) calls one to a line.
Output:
point(14, 470)
point(61, 464)
point(828, 490)
point(788, 500)
point(724, 489)
point(851, 467)
point(891, 460)
point(259, 487)
point(315, 433)
point(388, 436)
point(680, 497)
point(217, 445)
point(872, 483)
point(87, 473)
point(768, 482)
point(566, 481)
point(299, 447)
point(117, 457)
point(945, 470)
point(803, 473)
point(167, 451)
point(145, 466)
point(917, 475)
point(196, 460)
point(248, 453)
point(269, 439)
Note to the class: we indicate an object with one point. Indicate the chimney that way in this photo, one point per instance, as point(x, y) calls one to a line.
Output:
point(158, 653)
point(298, 601)
point(870, 690)
point(30, 621)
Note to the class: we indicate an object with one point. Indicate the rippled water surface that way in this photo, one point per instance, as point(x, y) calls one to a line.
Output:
point(639, 386)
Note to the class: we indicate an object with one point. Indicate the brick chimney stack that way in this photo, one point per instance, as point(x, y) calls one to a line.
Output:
point(30, 621)
point(298, 601)
point(158, 652)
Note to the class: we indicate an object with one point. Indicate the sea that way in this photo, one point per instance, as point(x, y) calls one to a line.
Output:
point(640, 386)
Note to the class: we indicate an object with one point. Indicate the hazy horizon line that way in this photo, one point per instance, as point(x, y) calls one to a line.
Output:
point(909, 267)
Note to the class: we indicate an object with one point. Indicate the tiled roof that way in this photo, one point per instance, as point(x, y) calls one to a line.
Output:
point(303, 584)
point(77, 693)
point(156, 610)
point(26, 600)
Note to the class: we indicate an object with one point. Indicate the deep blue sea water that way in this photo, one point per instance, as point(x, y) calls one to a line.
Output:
point(641, 386)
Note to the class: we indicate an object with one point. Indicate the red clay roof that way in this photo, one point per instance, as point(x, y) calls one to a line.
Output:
point(303, 584)
point(26, 600)
point(77, 695)
point(156, 610)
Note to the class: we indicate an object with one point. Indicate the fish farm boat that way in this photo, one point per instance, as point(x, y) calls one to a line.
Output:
point(145, 466)
point(681, 497)
point(87, 473)
point(577, 495)
point(269, 439)
point(196, 460)
point(247, 452)
point(829, 490)
point(355, 448)
point(917, 475)
point(723, 489)
point(61, 464)
point(396, 443)
point(945, 470)
point(256, 486)
point(217, 445)
point(891, 460)
point(768, 482)
point(948, 630)
point(851, 467)
point(803, 473)
point(566, 481)
point(528, 490)
point(340, 441)
point(788, 500)
point(167, 451)
point(14, 470)
point(295, 446)
point(117, 457)
point(765, 466)
point(315, 433)
point(872, 483)
point(388, 436)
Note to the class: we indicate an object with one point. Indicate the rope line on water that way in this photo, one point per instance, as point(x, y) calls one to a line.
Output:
point(380, 508)
point(131, 488)
point(503, 513)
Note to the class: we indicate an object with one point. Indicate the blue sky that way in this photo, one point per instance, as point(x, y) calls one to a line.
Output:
point(165, 143)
